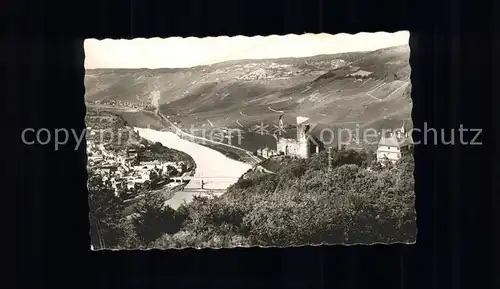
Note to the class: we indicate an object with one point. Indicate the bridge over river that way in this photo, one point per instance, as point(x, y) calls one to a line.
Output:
point(198, 186)
point(203, 182)
point(214, 172)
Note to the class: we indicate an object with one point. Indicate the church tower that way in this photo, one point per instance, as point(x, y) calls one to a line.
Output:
point(302, 137)
point(403, 130)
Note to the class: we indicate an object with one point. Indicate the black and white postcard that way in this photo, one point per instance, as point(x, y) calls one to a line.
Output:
point(270, 141)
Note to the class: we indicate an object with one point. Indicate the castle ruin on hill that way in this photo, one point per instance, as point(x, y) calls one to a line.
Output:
point(303, 146)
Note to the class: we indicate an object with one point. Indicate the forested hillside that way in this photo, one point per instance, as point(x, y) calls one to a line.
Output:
point(304, 202)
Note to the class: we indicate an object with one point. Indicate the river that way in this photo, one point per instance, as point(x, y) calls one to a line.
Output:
point(210, 165)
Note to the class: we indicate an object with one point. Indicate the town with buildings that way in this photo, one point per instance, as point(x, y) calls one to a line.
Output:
point(130, 163)
point(124, 170)
point(123, 104)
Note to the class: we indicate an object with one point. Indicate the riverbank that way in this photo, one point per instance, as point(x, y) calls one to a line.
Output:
point(217, 170)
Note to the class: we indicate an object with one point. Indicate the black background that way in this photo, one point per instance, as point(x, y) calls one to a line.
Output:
point(45, 202)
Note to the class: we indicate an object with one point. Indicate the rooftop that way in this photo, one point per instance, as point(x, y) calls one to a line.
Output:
point(393, 141)
point(390, 141)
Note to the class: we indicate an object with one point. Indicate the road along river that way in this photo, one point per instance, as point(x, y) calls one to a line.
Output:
point(219, 171)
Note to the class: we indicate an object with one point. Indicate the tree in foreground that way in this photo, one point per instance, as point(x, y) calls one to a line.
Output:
point(105, 213)
point(305, 203)
point(152, 218)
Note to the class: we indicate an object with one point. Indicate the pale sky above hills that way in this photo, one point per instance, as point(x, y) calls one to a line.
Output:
point(177, 52)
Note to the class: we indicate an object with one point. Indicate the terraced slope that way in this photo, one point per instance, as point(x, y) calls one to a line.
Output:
point(365, 89)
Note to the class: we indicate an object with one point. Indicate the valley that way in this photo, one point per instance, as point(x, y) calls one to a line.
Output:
point(349, 90)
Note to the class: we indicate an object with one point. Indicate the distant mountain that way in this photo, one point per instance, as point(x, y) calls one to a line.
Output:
point(369, 89)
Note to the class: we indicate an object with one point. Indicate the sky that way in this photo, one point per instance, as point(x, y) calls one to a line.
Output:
point(177, 52)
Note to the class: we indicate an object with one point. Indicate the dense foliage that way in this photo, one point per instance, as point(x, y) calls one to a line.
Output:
point(156, 151)
point(304, 202)
point(105, 214)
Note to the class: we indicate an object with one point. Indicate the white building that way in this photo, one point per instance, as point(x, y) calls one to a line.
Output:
point(388, 149)
point(267, 153)
point(145, 175)
point(96, 158)
point(391, 146)
point(151, 163)
point(130, 185)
